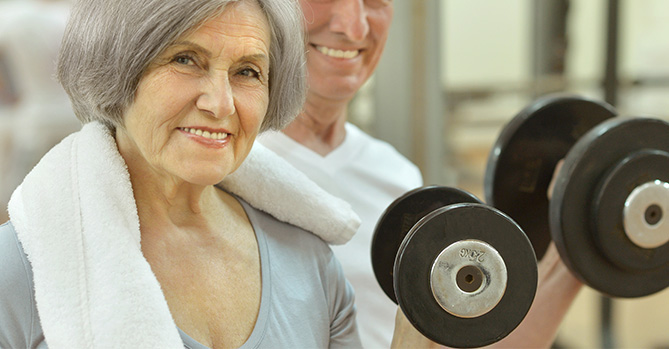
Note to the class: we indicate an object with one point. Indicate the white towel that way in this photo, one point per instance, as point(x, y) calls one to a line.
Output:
point(271, 184)
point(76, 218)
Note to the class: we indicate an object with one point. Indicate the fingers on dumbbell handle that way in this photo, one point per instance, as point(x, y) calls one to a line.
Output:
point(606, 210)
point(522, 162)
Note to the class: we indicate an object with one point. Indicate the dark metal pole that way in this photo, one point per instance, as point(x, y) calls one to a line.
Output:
point(611, 68)
point(550, 46)
point(611, 96)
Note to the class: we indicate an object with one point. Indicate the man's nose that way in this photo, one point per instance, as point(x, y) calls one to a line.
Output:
point(349, 17)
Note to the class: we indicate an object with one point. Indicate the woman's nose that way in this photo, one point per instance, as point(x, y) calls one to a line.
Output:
point(216, 98)
point(349, 17)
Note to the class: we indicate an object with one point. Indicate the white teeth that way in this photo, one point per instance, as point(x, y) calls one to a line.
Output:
point(337, 53)
point(206, 134)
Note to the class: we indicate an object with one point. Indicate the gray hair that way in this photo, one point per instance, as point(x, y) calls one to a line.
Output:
point(108, 45)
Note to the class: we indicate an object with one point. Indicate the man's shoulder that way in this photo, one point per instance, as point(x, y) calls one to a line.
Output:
point(383, 158)
point(374, 145)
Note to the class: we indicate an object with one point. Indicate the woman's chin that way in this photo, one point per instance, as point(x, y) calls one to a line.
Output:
point(204, 175)
point(201, 179)
point(208, 181)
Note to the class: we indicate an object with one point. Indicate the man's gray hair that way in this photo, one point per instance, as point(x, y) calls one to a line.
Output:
point(108, 45)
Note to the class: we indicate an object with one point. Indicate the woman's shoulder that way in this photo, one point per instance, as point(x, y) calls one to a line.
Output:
point(18, 313)
point(283, 237)
point(302, 280)
point(275, 228)
point(15, 269)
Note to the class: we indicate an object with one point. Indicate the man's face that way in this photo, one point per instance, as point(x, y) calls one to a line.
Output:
point(345, 40)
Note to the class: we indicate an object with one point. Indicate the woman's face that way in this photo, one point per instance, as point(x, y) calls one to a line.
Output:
point(199, 106)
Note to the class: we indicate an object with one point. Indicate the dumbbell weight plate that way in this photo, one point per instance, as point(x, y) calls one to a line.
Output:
point(523, 159)
point(465, 275)
point(399, 218)
point(630, 227)
point(587, 209)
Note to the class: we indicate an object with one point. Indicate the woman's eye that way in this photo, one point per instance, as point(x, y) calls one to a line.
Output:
point(184, 60)
point(249, 72)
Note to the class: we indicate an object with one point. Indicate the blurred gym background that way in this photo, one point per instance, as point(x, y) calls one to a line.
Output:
point(453, 73)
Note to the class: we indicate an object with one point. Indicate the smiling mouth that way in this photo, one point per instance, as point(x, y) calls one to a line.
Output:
point(348, 54)
point(206, 134)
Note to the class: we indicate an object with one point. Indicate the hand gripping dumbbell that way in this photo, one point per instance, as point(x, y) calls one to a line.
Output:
point(608, 210)
point(463, 273)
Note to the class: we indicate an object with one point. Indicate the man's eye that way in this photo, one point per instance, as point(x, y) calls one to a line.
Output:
point(378, 3)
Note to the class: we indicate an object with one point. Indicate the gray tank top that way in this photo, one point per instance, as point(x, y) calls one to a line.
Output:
point(306, 301)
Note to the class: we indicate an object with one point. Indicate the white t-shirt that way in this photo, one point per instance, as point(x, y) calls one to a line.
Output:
point(369, 174)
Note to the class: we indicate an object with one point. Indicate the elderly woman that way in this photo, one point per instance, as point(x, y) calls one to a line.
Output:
point(121, 231)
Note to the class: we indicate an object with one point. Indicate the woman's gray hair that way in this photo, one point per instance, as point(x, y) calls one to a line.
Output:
point(108, 45)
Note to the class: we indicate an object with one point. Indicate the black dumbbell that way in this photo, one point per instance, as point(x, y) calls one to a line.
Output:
point(463, 273)
point(607, 214)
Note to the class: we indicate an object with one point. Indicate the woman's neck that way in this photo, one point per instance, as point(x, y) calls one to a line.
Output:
point(181, 204)
point(163, 197)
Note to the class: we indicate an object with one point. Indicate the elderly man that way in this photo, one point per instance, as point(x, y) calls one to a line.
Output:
point(345, 40)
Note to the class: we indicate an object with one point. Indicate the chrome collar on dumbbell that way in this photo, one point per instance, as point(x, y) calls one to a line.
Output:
point(644, 220)
point(468, 278)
